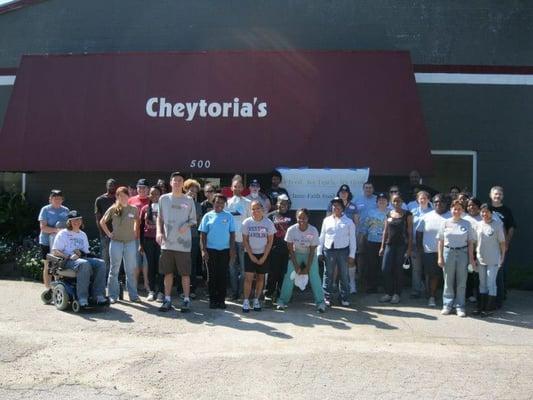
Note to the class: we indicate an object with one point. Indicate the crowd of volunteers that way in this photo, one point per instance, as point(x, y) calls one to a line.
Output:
point(250, 247)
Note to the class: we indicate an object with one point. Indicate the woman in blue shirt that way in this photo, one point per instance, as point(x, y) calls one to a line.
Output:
point(51, 218)
point(372, 233)
point(217, 243)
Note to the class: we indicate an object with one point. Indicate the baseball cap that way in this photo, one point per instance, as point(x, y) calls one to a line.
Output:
point(73, 214)
point(56, 192)
point(142, 182)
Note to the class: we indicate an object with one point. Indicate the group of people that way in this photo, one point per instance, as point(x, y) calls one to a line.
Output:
point(257, 248)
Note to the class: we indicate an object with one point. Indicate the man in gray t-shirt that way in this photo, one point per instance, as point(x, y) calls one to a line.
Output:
point(177, 214)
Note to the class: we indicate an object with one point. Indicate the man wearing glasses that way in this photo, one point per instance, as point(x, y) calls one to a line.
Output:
point(209, 193)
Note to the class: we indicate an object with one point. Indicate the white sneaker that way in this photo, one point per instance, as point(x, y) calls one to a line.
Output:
point(431, 302)
point(160, 297)
point(151, 296)
point(395, 299)
point(327, 302)
point(445, 311)
point(461, 313)
point(281, 307)
point(246, 306)
point(345, 303)
point(385, 298)
point(257, 305)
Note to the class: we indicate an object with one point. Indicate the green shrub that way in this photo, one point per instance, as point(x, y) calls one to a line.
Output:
point(94, 246)
point(8, 250)
point(17, 216)
point(29, 262)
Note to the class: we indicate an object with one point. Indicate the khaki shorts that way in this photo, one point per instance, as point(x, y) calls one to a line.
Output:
point(175, 261)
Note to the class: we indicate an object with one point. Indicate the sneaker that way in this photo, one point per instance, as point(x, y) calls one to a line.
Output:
point(431, 302)
point(101, 300)
point(136, 300)
point(395, 299)
point(472, 299)
point(461, 313)
point(445, 311)
point(281, 307)
point(83, 302)
point(385, 298)
point(246, 306)
point(112, 300)
point(151, 296)
point(345, 303)
point(321, 308)
point(327, 302)
point(185, 306)
point(160, 297)
point(257, 305)
point(166, 306)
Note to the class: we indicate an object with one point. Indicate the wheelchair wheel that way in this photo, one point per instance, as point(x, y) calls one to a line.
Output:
point(46, 296)
point(60, 297)
point(76, 307)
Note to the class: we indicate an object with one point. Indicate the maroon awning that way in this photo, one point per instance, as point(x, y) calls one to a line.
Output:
point(221, 111)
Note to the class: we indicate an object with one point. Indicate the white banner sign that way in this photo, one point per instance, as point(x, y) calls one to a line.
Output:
point(314, 188)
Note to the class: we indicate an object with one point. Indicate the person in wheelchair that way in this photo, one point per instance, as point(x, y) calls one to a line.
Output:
point(72, 244)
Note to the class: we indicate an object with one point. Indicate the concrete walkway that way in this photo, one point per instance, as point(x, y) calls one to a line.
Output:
point(367, 351)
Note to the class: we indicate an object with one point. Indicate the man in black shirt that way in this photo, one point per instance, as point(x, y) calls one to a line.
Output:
point(207, 204)
point(275, 191)
point(505, 214)
point(101, 204)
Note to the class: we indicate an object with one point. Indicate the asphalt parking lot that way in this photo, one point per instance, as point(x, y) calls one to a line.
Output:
point(367, 351)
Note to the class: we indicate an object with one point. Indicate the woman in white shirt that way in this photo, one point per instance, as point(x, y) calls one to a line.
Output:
point(302, 241)
point(490, 250)
point(73, 245)
point(338, 246)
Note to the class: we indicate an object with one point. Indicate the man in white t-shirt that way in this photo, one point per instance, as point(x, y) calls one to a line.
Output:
point(426, 239)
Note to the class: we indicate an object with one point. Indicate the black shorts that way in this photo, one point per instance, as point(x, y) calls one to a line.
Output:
point(431, 267)
point(44, 251)
point(252, 267)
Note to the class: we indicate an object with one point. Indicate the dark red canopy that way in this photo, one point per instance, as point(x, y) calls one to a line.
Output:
point(220, 111)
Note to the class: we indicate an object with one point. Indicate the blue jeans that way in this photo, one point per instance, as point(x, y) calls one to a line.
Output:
point(336, 258)
point(487, 279)
point(126, 251)
point(455, 275)
point(236, 271)
point(85, 267)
